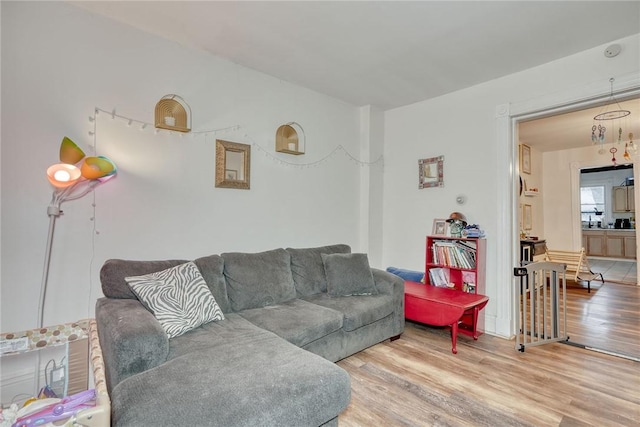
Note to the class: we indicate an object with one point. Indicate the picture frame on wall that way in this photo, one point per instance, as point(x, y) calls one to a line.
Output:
point(440, 227)
point(431, 172)
point(527, 221)
point(525, 158)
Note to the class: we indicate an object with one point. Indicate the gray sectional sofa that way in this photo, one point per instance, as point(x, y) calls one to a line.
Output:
point(281, 318)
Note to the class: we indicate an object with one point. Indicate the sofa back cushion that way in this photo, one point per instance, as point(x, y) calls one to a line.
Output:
point(114, 271)
point(307, 268)
point(258, 279)
point(212, 270)
point(348, 274)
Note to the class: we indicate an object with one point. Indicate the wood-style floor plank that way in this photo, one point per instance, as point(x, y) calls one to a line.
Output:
point(607, 318)
point(417, 381)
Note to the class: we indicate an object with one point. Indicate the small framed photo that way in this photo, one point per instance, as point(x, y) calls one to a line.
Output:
point(431, 172)
point(525, 158)
point(440, 227)
point(526, 217)
point(231, 174)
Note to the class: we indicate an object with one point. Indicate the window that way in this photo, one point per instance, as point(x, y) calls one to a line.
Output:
point(592, 203)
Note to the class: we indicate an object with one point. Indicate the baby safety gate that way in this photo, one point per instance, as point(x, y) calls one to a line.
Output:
point(541, 298)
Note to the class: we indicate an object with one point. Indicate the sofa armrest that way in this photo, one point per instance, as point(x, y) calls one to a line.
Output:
point(131, 338)
point(388, 283)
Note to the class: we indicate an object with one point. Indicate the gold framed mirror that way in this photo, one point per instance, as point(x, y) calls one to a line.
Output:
point(431, 172)
point(233, 165)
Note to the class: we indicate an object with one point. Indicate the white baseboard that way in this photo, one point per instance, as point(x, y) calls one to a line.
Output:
point(497, 327)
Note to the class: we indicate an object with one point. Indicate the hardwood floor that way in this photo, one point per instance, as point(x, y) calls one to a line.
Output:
point(417, 381)
point(608, 318)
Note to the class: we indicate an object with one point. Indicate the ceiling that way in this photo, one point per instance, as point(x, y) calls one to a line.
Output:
point(573, 130)
point(384, 53)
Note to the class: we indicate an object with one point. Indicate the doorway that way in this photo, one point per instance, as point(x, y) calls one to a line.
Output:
point(507, 238)
point(607, 214)
point(562, 193)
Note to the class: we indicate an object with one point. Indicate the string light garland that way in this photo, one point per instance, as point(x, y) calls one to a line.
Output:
point(142, 126)
point(329, 156)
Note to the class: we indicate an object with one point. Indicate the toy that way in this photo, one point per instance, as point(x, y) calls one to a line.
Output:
point(57, 410)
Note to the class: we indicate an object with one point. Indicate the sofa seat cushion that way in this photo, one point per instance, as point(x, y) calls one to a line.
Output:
point(358, 310)
point(258, 279)
point(297, 321)
point(212, 334)
point(259, 380)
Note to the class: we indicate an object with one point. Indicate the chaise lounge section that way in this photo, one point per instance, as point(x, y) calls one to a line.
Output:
point(284, 316)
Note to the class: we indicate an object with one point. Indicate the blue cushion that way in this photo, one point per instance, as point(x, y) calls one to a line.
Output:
point(410, 275)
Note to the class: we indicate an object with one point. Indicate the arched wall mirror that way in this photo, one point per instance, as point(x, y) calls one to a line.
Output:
point(233, 165)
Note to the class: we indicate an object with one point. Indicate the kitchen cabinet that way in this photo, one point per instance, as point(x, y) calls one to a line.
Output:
point(610, 243)
point(615, 245)
point(594, 242)
point(623, 199)
point(630, 246)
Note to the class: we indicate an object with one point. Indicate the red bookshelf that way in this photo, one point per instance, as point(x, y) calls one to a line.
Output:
point(462, 261)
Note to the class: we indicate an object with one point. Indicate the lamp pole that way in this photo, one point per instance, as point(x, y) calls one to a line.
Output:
point(53, 213)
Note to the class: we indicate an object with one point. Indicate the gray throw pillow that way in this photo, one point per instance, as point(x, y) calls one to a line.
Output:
point(308, 270)
point(348, 274)
point(178, 297)
point(258, 279)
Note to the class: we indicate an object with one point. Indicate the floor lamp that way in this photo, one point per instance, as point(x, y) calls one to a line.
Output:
point(70, 182)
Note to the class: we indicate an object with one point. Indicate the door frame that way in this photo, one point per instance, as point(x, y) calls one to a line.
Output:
point(507, 118)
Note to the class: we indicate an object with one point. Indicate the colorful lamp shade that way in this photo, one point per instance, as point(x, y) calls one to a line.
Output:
point(62, 175)
point(65, 174)
point(70, 153)
point(97, 167)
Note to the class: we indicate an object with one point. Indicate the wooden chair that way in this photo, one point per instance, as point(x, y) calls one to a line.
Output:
point(577, 264)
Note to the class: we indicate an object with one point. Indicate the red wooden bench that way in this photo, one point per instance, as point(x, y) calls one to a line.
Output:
point(437, 306)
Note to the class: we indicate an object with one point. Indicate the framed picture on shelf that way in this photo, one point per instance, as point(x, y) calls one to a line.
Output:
point(525, 158)
point(440, 227)
point(526, 217)
point(431, 172)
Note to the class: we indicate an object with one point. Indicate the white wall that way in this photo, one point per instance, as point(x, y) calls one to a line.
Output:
point(562, 197)
point(535, 200)
point(59, 63)
point(462, 126)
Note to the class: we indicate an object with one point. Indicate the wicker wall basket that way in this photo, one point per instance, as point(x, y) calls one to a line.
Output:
point(173, 113)
point(290, 139)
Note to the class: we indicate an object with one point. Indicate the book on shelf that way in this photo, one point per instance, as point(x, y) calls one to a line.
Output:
point(454, 253)
point(439, 277)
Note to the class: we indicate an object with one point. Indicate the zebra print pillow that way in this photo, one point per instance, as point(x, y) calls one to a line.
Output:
point(178, 297)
